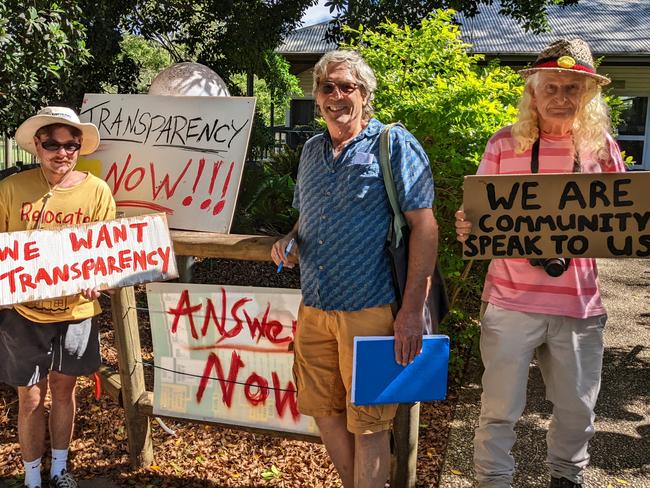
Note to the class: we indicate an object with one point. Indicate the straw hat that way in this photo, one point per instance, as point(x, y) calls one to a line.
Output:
point(562, 55)
point(56, 115)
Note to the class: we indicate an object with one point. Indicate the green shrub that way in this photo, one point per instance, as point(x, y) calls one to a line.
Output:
point(266, 194)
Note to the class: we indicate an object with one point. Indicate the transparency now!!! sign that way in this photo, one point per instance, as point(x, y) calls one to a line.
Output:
point(180, 155)
point(43, 264)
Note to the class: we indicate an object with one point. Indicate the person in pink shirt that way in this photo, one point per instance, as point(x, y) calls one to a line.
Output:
point(549, 309)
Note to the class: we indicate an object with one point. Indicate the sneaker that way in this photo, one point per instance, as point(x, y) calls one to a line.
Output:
point(64, 480)
point(563, 483)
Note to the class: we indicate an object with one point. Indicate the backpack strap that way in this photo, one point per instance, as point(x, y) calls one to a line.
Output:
point(384, 160)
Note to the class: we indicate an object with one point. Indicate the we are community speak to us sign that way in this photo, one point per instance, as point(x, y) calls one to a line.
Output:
point(180, 155)
point(44, 264)
point(222, 355)
point(570, 215)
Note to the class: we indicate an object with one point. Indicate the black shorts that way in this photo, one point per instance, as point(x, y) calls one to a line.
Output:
point(30, 350)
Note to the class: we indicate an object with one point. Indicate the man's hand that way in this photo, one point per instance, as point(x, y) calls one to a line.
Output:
point(463, 227)
point(90, 293)
point(279, 248)
point(409, 328)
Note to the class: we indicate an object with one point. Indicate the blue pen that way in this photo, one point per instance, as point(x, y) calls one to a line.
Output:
point(286, 253)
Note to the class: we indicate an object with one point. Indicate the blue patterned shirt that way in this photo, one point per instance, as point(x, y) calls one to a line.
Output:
point(345, 215)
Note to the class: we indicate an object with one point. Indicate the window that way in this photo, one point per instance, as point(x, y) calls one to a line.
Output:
point(634, 130)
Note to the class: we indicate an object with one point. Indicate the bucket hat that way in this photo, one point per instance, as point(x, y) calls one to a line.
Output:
point(56, 115)
point(566, 55)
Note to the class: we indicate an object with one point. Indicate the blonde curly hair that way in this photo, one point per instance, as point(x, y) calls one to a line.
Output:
point(589, 128)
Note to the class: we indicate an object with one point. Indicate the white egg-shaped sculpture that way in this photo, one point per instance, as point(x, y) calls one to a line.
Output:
point(189, 79)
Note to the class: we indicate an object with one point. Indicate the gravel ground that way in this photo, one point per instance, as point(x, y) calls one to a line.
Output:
point(620, 449)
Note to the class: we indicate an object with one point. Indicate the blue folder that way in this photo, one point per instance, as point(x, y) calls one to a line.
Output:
point(377, 378)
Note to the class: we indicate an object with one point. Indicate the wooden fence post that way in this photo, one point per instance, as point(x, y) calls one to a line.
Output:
point(7, 152)
point(127, 341)
point(405, 436)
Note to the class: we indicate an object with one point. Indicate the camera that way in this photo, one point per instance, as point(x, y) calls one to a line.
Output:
point(553, 266)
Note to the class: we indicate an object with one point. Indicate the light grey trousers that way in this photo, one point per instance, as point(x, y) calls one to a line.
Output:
point(570, 356)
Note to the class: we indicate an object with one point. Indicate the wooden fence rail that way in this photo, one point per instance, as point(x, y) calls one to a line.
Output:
point(127, 387)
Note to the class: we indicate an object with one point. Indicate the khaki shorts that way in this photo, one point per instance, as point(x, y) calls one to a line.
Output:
point(322, 367)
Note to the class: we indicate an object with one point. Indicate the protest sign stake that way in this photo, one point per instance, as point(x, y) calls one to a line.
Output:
point(127, 339)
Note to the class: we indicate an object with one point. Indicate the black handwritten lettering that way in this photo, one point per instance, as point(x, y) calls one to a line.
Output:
point(577, 245)
point(626, 250)
point(570, 193)
point(619, 193)
point(496, 202)
point(644, 240)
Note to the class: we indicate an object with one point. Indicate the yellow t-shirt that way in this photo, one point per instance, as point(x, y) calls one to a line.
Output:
point(21, 203)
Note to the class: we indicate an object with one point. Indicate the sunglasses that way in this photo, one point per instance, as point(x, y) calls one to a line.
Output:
point(329, 87)
point(69, 147)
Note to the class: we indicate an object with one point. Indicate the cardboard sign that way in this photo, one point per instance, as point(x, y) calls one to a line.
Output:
point(43, 264)
point(222, 355)
point(180, 155)
point(564, 215)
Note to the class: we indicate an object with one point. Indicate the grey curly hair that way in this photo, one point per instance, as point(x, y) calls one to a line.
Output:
point(360, 69)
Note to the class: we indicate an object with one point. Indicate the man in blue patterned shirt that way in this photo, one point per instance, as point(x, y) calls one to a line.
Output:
point(345, 272)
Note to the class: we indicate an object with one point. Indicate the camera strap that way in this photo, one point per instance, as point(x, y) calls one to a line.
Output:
point(534, 158)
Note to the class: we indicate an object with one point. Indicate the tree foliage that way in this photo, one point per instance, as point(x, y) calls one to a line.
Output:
point(40, 46)
point(229, 36)
point(107, 66)
point(149, 56)
point(429, 82)
point(371, 13)
point(54, 52)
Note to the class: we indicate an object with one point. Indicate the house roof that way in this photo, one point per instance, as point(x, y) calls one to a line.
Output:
point(611, 27)
point(308, 40)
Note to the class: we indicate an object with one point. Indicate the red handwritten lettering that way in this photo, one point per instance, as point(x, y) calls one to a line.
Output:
point(86, 268)
point(124, 258)
point(211, 314)
point(140, 260)
point(112, 172)
point(184, 307)
point(112, 268)
point(169, 192)
point(26, 282)
point(139, 173)
point(25, 210)
point(9, 251)
point(239, 323)
point(30, 251)
point(11, 275)
point(227, 386)
point(104, 237)
point(262, 393)
point(77, 242)
point(282, 398)
point(42, 275)
point(61, 274)
point(139, 227)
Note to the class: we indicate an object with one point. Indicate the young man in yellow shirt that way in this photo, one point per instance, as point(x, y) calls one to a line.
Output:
point(49, 343)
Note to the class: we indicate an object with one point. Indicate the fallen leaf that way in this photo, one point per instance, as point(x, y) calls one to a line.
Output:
point(456, 472)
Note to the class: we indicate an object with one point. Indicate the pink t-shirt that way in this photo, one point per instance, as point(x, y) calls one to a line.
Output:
point(514, 284)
